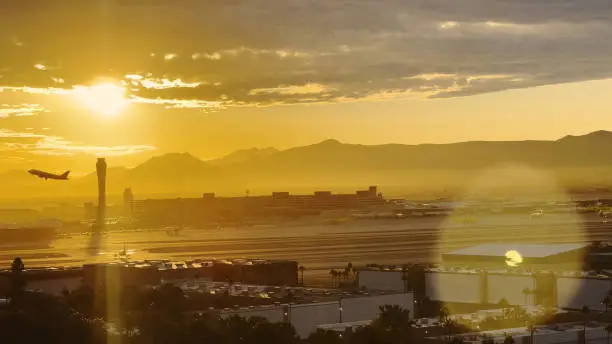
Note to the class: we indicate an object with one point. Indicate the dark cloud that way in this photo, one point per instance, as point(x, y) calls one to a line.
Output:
point(352, 49)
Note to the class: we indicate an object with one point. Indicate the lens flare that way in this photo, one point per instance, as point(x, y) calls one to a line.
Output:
point(513, 258)
point(522, 234)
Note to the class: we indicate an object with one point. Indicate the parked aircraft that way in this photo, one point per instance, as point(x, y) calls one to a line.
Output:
point(47, 175)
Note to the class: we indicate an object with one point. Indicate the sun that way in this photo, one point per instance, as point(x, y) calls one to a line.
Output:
point(513, 258)
point(105, 99)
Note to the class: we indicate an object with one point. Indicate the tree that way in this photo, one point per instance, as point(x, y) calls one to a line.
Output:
point(393, 318)
point(508, 339)
point(405, 278)
point(18, 281)
point(46, 319)
point(532, 329)
point(457, 340)
point(488, 340)
point(526, 292)
point(585, 312)
point(301, 269)
point(334, 275)
point(503, 304)
point(324, 337)
point(607, 302)
point(608, 331)
point(447, 321)
point(17, 266)
point(370, 335)
point(350, 269)
point(168, 299)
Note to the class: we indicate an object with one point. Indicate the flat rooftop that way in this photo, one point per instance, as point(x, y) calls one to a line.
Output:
point(525, 250)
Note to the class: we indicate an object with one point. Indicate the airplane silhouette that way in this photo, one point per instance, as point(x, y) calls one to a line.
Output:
point(47, 175)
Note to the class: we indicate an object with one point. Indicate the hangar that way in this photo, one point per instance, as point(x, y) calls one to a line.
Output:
point(518, 255)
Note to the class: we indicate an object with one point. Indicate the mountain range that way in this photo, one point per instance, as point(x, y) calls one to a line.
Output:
point(574, 161)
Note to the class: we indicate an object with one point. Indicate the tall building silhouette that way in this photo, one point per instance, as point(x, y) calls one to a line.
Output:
point(101, 171)
point(128, 202)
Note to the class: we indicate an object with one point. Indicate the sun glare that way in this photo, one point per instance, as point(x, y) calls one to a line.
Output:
point(104, 99)
point(513, 258)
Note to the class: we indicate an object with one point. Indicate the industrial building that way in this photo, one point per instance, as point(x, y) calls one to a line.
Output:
point(248, 271)
point(307, 318)
point(523, 255)
point(210, 208)
point(151, 273)
point(49, 281)
point(552, 334)
point(392, 278)
point(483, 275)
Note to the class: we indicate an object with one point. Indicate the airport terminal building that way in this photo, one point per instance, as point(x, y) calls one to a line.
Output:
point(211, 208)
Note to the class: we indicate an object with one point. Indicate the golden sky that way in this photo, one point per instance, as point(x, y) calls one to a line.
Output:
point(129, 80)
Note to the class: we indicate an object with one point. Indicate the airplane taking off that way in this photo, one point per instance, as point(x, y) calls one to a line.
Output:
point(47, 175)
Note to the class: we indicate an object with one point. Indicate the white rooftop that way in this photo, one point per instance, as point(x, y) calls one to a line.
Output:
point(525, 250)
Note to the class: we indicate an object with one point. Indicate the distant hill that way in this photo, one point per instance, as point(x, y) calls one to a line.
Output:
point(570, 161)
point(244, 155)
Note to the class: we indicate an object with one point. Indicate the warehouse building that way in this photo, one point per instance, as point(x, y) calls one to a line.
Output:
point(594, 333)
point(536, 275)
point(519, 255)
point(307, 318)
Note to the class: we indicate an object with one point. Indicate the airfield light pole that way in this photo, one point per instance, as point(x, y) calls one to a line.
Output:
point(101, 172)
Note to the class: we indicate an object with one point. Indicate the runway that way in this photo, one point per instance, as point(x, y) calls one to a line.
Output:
point(320, 245)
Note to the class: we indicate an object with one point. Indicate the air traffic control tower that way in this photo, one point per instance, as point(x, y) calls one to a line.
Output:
point(101, 171)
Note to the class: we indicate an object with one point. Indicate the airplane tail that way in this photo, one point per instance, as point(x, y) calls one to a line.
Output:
point(65, 174)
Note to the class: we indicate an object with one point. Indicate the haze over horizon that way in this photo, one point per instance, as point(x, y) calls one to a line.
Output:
point(272, 75)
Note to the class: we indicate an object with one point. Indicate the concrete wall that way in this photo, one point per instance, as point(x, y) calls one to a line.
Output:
point(381, 280)
point(453, 287)
point(509, 287)
point(305, 318)
point(575, 293)
point(368, 308)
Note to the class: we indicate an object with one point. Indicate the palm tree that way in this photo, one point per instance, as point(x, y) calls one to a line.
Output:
point(526, 292)
point(608, 331)
point(585, 312)
point(444, 314)
point(446, 321)
point(17, 266)
point(405, 278)
point(301, 269)
point(393, 318)
point(606, 302)
point(230, 284)
point(334, 274)
point(532, 329)
point(503, 304)
point(17, 280)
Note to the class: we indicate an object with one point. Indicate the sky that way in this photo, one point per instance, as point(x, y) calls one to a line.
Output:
point(129, 79)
